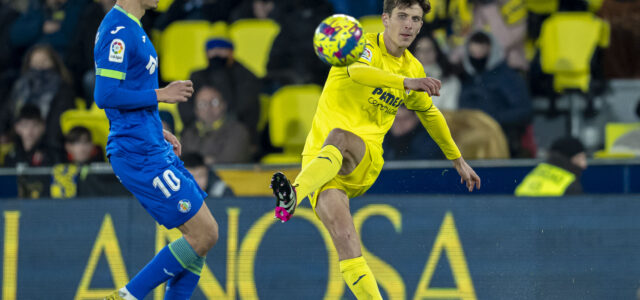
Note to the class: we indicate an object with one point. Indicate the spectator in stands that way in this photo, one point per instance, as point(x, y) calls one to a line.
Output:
point(507, 20)
point(80, 56)
point(436, 64)
point(29, 147)
point(239, 87)
point(45, 82)
point(211, 11)
point(47, 21)
point(206, 177)
point(253, 9)
point(408, 140)
point(560, 174)
point(80, 148)
point(493, 87)
point(292, 59)
point(219, 138)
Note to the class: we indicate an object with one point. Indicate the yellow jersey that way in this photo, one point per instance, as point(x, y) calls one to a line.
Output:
point(368, 111)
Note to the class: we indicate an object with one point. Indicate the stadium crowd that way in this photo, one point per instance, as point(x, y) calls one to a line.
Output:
point(486, 52)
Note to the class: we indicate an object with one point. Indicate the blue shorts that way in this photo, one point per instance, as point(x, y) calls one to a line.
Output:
point(162, 185)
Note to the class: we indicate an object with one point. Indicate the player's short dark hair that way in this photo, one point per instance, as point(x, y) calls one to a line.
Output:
point(192, 160)
point(389, 5)
point(30, 112)
point(77, 134)
point(480, 38)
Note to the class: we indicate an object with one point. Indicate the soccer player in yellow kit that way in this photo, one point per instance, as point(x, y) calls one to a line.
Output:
point(342, 156)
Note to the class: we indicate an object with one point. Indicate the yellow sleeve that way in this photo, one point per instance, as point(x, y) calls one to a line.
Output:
point(374, 77)
point(435, 123)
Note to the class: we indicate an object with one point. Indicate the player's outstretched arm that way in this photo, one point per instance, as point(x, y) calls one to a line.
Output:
point(176, 91)
point(378, 78)
point(374, 77)
point(467, 174)
point(435, 123)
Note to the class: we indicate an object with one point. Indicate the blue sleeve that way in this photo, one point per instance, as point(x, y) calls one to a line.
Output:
point(114, 53)
point(109, 94)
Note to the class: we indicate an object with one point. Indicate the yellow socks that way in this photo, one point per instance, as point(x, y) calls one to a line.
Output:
point(319, 171)
point(359, 278)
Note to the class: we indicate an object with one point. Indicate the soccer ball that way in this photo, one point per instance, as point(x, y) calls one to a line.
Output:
point(339, 40)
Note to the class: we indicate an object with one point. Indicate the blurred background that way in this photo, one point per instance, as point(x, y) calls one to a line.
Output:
point(541, 96)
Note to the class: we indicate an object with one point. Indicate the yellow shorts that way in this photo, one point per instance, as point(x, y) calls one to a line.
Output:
point(359, 180)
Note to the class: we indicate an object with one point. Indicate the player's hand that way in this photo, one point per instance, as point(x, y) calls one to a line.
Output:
point(176, 91)
point(467, 174)
point(173, 140)
point(426, 84)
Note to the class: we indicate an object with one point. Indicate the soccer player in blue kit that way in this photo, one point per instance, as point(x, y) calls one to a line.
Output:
point(144, 156)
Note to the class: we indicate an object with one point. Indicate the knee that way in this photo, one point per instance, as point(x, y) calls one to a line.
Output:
point(205, 240)
point(338, 137)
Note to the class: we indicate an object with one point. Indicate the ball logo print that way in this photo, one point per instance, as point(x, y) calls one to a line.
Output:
point(116, 51)
point(184, 206)
point(339, 40)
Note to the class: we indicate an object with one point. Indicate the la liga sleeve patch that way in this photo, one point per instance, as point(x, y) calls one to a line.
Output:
point(366, 54)
point(116, 51)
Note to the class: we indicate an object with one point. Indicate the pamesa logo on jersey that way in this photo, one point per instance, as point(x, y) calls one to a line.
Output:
point(184, 206)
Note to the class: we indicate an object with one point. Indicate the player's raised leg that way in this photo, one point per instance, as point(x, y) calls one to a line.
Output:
point(333, 209)
point(341, 152)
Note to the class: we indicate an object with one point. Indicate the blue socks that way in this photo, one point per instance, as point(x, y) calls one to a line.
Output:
point(169, 263)
point(182, 286)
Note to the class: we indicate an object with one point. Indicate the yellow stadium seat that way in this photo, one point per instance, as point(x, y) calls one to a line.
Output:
point(182, 46)
point(94, 119)
point(173, 110)
point(371, 23)
point(252, 40)
point(567, 43)
point(613, 131)
point(290, 115)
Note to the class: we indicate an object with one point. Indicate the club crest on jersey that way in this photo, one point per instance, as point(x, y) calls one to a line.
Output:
point(184, 206)
point(116, 51)
point(366, 54)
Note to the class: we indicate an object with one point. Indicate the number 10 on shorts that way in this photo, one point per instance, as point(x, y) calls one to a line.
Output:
point(170, 179)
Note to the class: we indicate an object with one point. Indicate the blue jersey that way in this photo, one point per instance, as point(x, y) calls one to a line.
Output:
point(126, 80)
point(124, 54)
